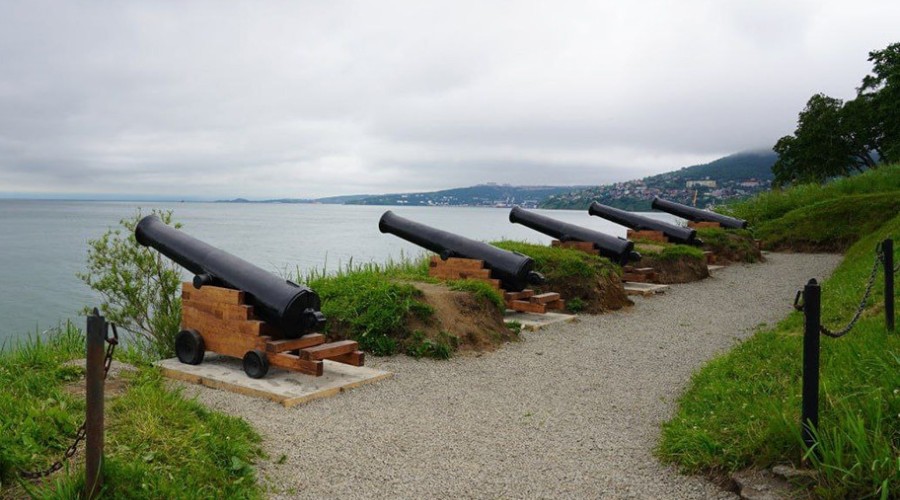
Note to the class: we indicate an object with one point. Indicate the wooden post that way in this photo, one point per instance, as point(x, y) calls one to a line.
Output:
point(888, 248)
point(94, 381)
point(812, 312)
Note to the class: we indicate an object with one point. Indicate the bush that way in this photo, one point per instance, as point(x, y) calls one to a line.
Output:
point(140, 287)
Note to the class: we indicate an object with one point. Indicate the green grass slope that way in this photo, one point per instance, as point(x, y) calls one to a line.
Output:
point(743, 408)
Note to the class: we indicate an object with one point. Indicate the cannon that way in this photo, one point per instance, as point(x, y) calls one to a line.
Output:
point(618, 250)
point(697, 215)
point(240, 309)
point(676, 234)
point(514, 270)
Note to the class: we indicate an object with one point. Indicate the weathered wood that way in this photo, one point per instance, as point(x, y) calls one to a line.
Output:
point(525, 306)
point(544, 298)
point(582, 246)
point(284, 345)
point(355, 358)
point(524, 294)
point(330, 350)
point(648, 235)
point(295, 363)
point(191, 318)
point(456, 262)
point(703, 225)
point(710, 257)
point(220, 310)
point(212, 294)
point(556, 305)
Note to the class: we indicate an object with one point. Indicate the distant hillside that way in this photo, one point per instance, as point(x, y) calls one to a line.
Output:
point(481, 195)
point(732, 177)
point(330, 200)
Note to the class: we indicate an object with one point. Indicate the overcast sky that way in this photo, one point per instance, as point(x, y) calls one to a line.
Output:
point(306, 99)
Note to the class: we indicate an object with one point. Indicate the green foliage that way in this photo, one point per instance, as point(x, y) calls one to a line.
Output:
point(140, 287)
point(418, 345)
point(833, 224)
point(514, 326)
point(678, 252)
point(479, 289)
point(729, 242)
point(558, 264)
point(158, 445)
point(575, 305)
point(372, 303)
point(774, 204)
point(834, 138)
point(743, 408)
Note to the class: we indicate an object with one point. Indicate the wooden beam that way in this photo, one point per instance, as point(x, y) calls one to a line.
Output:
point(330, 350)
point(212, 294)
point(355, 358)
point(309, 340)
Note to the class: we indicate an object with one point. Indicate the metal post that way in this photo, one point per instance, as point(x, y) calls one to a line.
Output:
point(887, 246)
point(812, 310)
point(94, 380)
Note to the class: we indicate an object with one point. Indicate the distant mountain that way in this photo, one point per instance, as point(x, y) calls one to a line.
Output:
point(732, 177)
point(330, 200)
point(503, 195)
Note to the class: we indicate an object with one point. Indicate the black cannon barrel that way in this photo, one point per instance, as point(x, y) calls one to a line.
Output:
point(697, 215)
point(514, 270)
point(676, 234)
point(616, 249)
point(292, 308)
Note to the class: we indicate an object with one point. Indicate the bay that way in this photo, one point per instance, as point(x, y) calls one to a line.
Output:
point(44, 244)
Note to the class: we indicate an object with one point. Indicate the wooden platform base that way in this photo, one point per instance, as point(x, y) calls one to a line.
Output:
point(583, 246)
point(228, 326)
point(710, 257)
point(471, 269)
point(639, 274)
point(644, 289)
point(282, 386)
point(657, 236)
point(703, 225)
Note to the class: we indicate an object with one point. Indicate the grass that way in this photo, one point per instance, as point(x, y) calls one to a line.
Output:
point(774, 204)
point(375, 303)
point(158, 444)
point(832, 224)
point(559, 264)
point(730, 243)
point(742, 409)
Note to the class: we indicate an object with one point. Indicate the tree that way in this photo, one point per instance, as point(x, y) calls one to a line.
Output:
point(882, 90)
point(138, 285)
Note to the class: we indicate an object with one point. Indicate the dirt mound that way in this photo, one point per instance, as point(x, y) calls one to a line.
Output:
point(681, 269)
point(471, 322)
point(592, 295)
point(731, 246)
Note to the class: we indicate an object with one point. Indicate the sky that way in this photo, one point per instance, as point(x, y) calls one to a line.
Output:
point(222, 99)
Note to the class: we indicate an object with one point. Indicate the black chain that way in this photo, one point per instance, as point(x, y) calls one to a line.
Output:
point(112, 342)
point(862, 303)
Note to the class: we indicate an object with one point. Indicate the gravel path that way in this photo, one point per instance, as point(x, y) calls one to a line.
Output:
point(571, 412)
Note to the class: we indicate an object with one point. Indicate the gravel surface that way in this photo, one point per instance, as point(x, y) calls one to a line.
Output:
point(573, 411)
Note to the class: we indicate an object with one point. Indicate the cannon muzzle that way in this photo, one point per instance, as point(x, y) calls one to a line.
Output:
point(697, 215)
point(514, 270)
point(618, 250)
point(294, 309)
point(676, 234)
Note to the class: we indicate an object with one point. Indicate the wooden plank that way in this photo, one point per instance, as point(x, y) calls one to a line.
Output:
point(309, 340)
point(523, 306)
point(556, 305)
point(456, 262)
point(195, 318)
point(329, 350)
point(703, 224)
point(644, 270)
point(647, 235)
point(295, 363)
point(221, 311)
point(524, 294)
point(212, 294)
point(544, 298)
point(355, 358)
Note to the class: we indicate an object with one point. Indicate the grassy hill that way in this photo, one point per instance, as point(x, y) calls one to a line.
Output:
point(480, 195)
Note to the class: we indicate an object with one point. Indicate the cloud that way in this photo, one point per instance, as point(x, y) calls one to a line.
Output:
point(299, 99)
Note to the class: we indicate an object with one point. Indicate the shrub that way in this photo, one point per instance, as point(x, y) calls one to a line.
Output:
point(140, 287)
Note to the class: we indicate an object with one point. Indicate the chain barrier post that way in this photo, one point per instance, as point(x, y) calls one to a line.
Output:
point(95, 374)
point(887, 248)
point(812, 311)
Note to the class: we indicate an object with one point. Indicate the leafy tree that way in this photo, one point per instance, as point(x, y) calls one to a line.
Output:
point(138, 285)
point(882, 90)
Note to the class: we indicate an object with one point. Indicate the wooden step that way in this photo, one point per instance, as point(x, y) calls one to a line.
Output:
point(556, 305)
point(355, 358)
point(544, 298)
point(284, 345)
point(525, 306)
point(524, 294)
point(329, 350)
